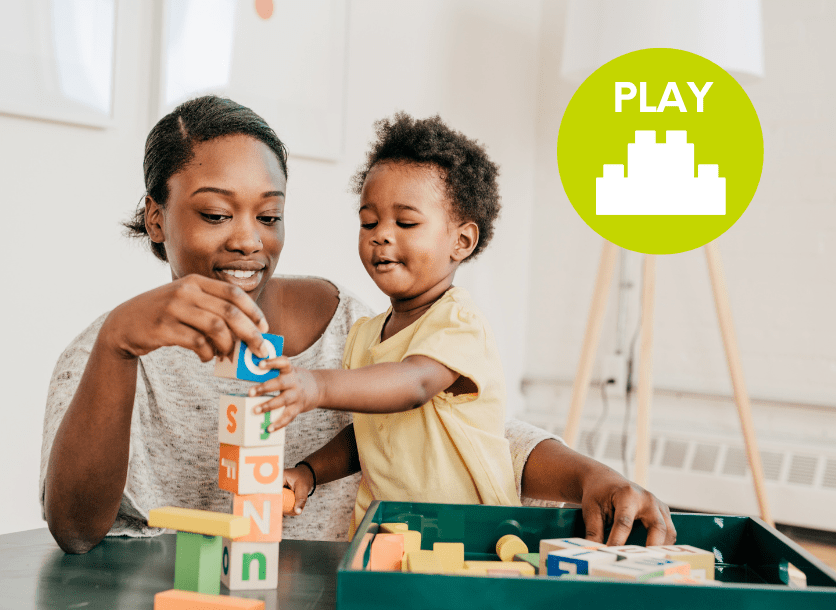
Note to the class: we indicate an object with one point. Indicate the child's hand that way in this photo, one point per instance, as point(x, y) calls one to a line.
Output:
point(299, 391)
point(301, 482)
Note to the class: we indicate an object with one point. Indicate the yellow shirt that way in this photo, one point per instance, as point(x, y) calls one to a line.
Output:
point(453, 448)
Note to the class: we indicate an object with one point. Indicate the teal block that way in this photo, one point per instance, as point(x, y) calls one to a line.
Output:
point(197, 564)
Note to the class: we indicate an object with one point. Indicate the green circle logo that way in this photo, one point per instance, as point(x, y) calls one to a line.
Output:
point(660, 151)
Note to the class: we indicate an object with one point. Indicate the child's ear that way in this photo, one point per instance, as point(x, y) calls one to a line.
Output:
point(154, 220)
point(466, 240)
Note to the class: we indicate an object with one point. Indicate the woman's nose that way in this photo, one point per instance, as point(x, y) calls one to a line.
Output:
point(245, 238)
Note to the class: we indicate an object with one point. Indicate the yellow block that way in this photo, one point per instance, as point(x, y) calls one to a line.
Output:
point(510, 545)
point(450, 554)
point(699, 559)
point(425, 562)
point(470, 572)
point(393, 528)
point(525, 569)
point(196, 521)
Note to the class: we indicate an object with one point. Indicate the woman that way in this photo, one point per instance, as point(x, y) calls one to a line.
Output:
point(131, 418)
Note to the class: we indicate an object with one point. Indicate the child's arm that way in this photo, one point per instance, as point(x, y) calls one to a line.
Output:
point(335, 460)
point(388, 387)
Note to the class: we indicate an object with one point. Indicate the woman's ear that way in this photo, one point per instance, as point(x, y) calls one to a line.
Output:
point(466, 240)
point(154, 220)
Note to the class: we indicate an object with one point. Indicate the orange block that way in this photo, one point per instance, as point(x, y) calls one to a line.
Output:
point(387, 552)
point(265, 514)
point(188, 600)
point(251, 470)
point(288, 500)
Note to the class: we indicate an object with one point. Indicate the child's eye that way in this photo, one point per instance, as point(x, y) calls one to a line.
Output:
point(214, 218)
point(270, 220)
point(407, 225)
point(368, 225)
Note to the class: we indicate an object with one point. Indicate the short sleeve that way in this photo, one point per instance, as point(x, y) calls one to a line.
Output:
point(458, 338)
point(351, 340)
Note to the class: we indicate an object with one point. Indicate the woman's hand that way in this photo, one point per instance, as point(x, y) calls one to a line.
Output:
point(610, 499)
point(298, 387)
point(300, 480)
point(555, 472)
point(198, 313)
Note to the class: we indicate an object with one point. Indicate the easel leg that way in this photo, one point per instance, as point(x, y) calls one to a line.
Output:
point(741, 397)
point(609, 253)
point(645, 386)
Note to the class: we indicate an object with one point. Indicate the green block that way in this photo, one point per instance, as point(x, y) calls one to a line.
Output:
point(197, 564)
point(532, 558)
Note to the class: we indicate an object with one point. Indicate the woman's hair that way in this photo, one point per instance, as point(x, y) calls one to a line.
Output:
point(469, 175)
point(170, 147)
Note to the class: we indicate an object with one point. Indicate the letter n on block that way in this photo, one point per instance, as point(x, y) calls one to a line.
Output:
point(250, 565)
point(265, 514)
point(251, 470)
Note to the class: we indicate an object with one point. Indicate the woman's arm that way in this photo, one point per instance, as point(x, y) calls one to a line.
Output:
point(88, 460)
point(555, 472)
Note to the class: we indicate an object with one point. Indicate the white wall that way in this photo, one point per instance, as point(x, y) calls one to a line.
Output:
point(780, 257)
point(66, 188)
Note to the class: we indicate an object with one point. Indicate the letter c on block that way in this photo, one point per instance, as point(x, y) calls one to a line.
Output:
point(260, 460)
point(231, 410)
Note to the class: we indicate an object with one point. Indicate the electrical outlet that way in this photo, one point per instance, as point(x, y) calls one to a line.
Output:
point(614, 374)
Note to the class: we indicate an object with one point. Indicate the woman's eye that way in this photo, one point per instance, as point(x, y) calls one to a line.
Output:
point(214, 218)
point(270, 220)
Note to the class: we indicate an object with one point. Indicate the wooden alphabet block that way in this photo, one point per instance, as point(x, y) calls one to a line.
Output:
point(510, 545)
point(197, 563)
point(250, 565)
point(239, 425)
point(576, 561)
point(520, 567)
point(411, 542)
point(424, 562)
point(199, 521)
point(503, 573)
point(244, 364)
point(450, 554)
point(557, 544)
point(386, 553)
point(682, 579)
point(265, 514)
point(188, 600)
point(632, 551)
point(637, 570)
point(251, 470)
point(698, 559)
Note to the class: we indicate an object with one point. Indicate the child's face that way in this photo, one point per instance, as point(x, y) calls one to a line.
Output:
point(224, 214)
point(408, 242)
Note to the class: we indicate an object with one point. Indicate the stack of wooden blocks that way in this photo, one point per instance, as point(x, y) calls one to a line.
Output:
point(240, 550)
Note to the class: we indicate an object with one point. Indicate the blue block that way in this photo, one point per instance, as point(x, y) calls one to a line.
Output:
point(248, 362)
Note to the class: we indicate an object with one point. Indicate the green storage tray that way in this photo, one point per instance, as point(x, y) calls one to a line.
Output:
point(751, 561)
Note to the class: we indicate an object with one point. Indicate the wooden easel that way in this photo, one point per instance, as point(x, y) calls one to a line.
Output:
point(609, 254)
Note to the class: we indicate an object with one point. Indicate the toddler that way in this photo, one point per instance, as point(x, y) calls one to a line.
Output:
point(424, 379)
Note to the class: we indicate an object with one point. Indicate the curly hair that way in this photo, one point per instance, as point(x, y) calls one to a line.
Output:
point(469, 175)
point(170, 147)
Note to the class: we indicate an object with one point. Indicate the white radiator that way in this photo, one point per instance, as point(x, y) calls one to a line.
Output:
point(697, 458)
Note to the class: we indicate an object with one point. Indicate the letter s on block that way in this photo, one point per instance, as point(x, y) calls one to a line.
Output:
point(231, 410)
point(260, 460)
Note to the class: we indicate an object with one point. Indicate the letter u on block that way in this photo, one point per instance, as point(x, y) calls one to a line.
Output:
point(265, 514)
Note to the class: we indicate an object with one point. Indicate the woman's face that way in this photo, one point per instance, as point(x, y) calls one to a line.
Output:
point(224, 216)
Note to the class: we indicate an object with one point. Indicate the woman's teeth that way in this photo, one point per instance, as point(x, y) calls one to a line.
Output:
point(239, 273)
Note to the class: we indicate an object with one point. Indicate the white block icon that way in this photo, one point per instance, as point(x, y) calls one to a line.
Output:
point(660, 181)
